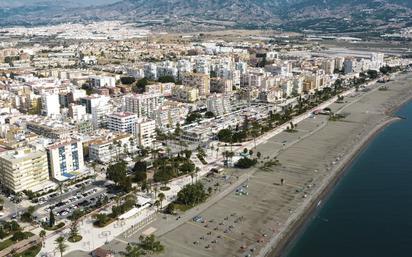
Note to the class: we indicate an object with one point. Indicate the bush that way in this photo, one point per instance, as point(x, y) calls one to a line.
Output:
point(127, 80)
point(191, 194)
point(170, 209)
point(75, 238)
point(19, 236)
point(245, 163)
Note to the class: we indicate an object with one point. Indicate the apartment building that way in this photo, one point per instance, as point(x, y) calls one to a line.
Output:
point(65, 159)
point(199, 81)
point(185, 93)
point(50, 104)
point(110, 147)
point(143, 104)
point(122, 122)
point(145, 133)
point(219, 104)
point(24, 169)
point(102, 81)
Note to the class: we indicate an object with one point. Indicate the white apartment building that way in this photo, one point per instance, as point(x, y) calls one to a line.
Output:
point(199, 81)
point(255, 78)
point(183, 66)
point(105, 150)
point(167, 117)
point(167, 68)
point(98, 106)
point(219, 104)
point(122, 122)
point(146, 133)
point(143, 104)
point(102, 81)
point(328, 66)
point(77, 112)
point(150, 71)
point(202, 66)
point(65, 159)
point(99, 115)
point(50, 104)
point(24, 169)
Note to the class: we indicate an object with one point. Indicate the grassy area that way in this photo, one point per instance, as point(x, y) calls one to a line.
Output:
point(55, 227)
point(202, 160)
point(31, 252)
point(102, 225)
point(74, 239)
point(6, 243)
point(182, 207)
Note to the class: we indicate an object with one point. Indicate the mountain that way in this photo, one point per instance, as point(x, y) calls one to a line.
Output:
point(297, 15)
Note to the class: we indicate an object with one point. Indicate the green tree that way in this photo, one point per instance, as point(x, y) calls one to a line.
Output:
point(166, 79)
point(193, 117)
point(74, 230)
point(140, 86)
point(127, 80)
point(245, 163)
point(52, 220)
point(170, 209)
point(225, 135)
point(150, 243)
point(140, 166)
point(27, 216)
point(101, 219)
point(42, 234)
point(209, 114)
point(191, 194)
point(187, 167)
point(61, 245)
point(140, 177)
point(133, 251)
point(161, 197)
point(19, 236)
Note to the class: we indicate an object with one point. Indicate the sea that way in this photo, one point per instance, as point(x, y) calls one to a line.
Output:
point(369, 212)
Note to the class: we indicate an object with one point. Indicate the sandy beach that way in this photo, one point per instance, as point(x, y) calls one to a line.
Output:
point(262, 222)
point(266, 218)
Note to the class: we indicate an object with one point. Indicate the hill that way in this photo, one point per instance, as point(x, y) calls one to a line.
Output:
point(295, 15)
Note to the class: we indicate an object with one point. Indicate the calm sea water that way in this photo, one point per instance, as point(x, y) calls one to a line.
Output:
point(369, 214)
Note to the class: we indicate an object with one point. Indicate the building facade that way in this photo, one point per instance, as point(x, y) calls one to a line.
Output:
point(24, 169)
point(65, 160)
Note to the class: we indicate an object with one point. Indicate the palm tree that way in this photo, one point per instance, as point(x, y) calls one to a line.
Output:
point(255, 134)
point(61, 246)
point(157, 204)
point(111, 151)
point(197, 170)
point(125, 150)
point(117, 144)
point(192, 175)
point(155, 191)
point(161, 197)
point(42, 235)
point(230, 155)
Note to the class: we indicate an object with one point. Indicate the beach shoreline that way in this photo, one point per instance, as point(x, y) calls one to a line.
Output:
point(281, 243)
point(295, 227)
